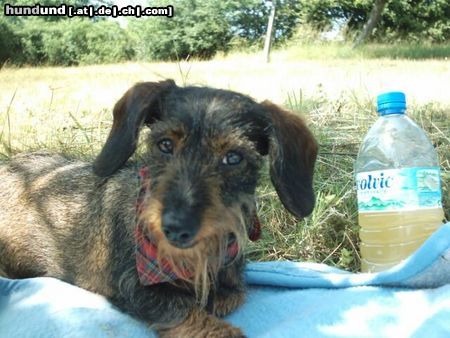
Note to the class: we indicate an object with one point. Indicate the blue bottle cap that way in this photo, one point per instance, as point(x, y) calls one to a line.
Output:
point(391, 103)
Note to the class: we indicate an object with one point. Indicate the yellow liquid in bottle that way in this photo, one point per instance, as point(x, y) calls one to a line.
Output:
point(387, 238)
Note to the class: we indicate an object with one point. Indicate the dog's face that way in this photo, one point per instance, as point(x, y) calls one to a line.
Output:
point(204, 160)
point(205, 151)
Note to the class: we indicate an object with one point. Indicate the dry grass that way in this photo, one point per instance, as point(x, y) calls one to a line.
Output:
point(330, 234)
point(69, 110)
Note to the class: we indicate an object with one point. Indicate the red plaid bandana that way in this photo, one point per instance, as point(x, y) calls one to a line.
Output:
point(150, 270)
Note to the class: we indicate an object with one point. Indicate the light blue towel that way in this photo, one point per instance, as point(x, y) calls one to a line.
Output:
point(285, 299)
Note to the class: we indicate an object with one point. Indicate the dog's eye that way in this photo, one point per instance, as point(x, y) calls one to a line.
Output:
point(232, 158)
point(166, 146)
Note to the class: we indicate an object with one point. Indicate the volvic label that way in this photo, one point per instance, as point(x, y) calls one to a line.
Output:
point(399, 189)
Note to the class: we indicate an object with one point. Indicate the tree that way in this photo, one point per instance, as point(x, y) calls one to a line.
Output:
point(410, 20)
point(248, 19)
point(415, 20)
point(374, 18)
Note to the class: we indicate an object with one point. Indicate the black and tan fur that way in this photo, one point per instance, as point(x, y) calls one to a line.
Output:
point(75, 221)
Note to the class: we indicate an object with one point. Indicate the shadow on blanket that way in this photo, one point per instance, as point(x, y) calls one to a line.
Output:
point(285, 299)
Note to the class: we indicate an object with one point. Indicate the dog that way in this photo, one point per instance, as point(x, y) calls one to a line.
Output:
point(163, 238)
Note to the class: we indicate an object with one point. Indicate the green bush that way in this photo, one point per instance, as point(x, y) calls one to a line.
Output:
point(9, 43)
point(107, 42)
point(67, 42)
point(86, 42)
point(198, 28)
point(32, 45)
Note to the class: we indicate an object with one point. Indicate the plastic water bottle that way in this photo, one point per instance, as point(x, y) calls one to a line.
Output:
point(398, 187)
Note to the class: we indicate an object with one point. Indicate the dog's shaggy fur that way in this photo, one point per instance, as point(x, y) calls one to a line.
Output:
point(76, 221)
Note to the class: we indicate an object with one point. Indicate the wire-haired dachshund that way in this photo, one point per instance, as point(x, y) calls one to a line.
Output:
point(161, 238)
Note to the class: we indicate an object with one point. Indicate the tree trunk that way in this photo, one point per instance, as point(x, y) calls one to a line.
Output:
point(374, 18)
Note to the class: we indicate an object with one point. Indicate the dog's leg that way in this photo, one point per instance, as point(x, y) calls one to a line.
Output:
point(230, 291)
point(199, 324)
point(227, 300)
point(172, 311)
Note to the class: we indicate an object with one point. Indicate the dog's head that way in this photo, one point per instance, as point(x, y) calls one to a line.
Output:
point(205, 151)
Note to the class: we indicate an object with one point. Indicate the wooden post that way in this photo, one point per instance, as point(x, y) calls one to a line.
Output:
point(268, 40)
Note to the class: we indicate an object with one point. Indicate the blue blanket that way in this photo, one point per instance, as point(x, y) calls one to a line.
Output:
point(285, 299)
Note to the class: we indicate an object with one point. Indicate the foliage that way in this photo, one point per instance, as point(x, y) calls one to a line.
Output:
point(67, 42)
point(414, 20)
point(249, 19)
point(202, 28)
point(197, 28)
point(9, 42)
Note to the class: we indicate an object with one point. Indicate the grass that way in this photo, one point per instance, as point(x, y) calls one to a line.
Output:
point(68, 110)
point(344, 51)
point(330, 234)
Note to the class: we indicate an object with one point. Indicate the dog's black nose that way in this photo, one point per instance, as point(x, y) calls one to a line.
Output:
point(178, 229)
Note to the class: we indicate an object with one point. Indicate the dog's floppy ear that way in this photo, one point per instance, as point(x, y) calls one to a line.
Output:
point(292, 152)
point(139, 105)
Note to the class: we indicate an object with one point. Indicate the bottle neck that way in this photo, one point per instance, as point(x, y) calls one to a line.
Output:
point(388, 112)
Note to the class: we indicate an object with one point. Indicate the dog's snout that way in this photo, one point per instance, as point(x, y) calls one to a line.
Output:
point(178, 229)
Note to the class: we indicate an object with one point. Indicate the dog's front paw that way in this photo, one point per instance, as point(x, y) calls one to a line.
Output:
point(227, 302)
point(199, 324)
